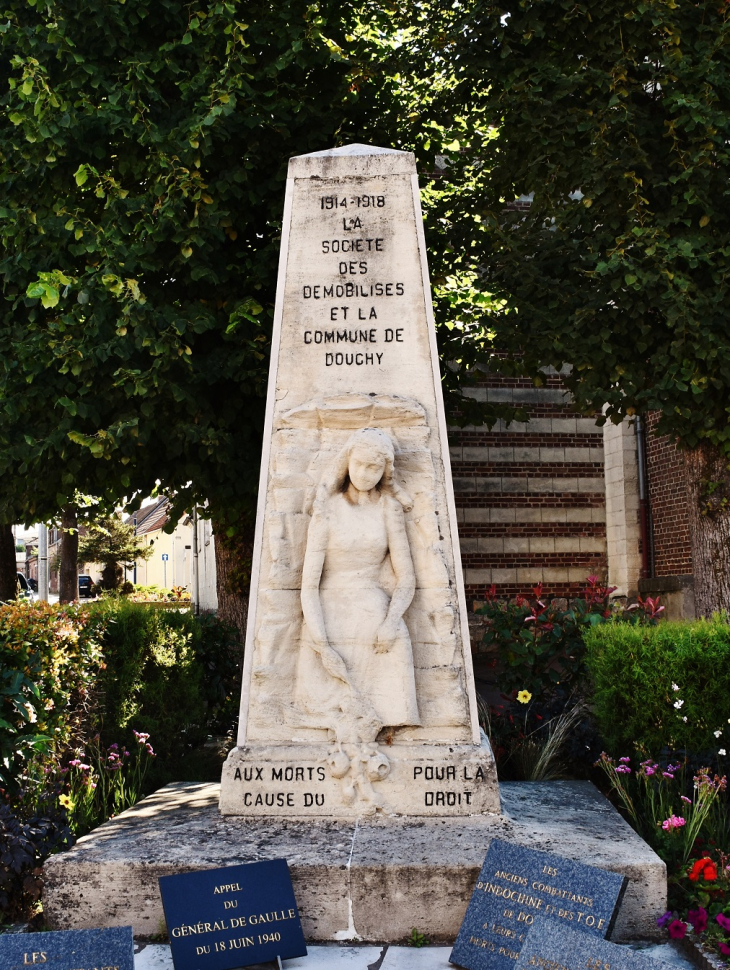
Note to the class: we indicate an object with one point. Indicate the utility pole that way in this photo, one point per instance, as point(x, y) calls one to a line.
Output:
point(43, 563)
point(196, 581)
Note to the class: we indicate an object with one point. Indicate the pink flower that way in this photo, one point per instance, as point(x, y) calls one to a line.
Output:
point(650, 771)
point(724, 949)
point(677, 929)
point(673, 822)
point(668, 775)
point(724, 922)
point(687, 801)
point(623, 770)
point(625, 761)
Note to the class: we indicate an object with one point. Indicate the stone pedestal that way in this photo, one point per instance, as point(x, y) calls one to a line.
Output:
point(372, 879)
point(423, 779)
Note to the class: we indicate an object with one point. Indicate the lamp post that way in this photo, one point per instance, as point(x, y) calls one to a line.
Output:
point(43, 563)
point(196, 581)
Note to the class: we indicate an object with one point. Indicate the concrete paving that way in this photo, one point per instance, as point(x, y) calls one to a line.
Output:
point(156, 956)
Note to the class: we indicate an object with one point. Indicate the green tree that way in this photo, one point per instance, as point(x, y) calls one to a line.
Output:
point(614, 118)
point(112, 544)
point(143, 153)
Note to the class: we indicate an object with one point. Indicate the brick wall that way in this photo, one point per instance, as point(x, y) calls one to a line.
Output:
point(668, 502)
point(530, 497)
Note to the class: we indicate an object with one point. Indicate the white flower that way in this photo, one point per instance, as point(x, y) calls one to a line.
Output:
point(678, 704)
point(718, 733)
point(684, 719)
point(722, 751)
point(675, 686)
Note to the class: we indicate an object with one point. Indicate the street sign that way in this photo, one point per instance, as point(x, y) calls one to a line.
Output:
point(165, 557)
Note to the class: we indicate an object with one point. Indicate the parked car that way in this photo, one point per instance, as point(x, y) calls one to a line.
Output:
point(25, 591)
point(85, 585)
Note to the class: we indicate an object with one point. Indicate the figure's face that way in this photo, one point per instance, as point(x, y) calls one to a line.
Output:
point(366, 467)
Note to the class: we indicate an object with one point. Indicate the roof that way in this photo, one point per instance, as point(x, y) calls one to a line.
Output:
point(151, 517)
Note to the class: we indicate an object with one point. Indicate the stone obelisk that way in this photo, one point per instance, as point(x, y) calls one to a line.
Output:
point(358, 690)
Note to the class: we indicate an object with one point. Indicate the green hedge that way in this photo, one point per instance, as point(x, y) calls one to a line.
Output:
point(661, 686)
point(167, 672)
point(111, 667)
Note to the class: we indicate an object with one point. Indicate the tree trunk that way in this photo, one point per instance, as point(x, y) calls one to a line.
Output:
point(68, 589)
point(111, 576)
point(8, 569)
point(233, 555)
point(708, 494)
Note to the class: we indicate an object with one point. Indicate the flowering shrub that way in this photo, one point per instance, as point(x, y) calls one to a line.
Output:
point(104, 782)
point(50, 658)
point(701, 894)
point(670, 682)
point(538, 738)
point(658, 807)
point(540, 644)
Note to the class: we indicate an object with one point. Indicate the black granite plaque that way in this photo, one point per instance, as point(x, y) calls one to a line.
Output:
point(109, 949)
point(232, 917)
point(550, 945)
point(517, 885)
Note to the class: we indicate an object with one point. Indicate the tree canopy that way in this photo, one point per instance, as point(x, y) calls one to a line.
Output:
point(613, 120)
point(143, 153)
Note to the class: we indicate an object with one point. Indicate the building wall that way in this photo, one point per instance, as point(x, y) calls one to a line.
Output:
point(623, 525)
point(530, 496)
point(668, 501)
point(177, 570)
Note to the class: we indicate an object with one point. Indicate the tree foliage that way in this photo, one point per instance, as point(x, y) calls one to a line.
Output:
point(613, 118)
point(143, 153)
point(112, 543)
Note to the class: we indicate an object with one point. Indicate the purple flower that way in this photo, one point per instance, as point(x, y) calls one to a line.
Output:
point(114, 747)
point(664, 920)
point(677, 929)
point(623, 770)
point(724, 949)
point(650, 771)
point(698, 919)
point(625, 761)
point(667, 774)
point(687, 801)
point(724, 922)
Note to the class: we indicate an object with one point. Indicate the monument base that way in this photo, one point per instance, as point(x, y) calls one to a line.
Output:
point(296, 780)
point(372, 879)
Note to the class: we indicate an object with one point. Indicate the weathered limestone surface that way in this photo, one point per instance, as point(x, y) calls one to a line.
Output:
point(373, 878)
point(358, 691)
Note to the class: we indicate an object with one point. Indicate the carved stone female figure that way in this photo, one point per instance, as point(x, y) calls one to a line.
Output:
point(356, 662)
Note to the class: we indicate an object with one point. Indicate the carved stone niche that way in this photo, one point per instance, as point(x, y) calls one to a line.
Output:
point(360, 695)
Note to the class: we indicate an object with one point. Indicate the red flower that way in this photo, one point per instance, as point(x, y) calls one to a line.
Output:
point(703, 867)
point(677, 929)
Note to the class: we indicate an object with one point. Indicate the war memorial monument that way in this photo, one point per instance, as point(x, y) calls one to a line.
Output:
point(359, 756)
